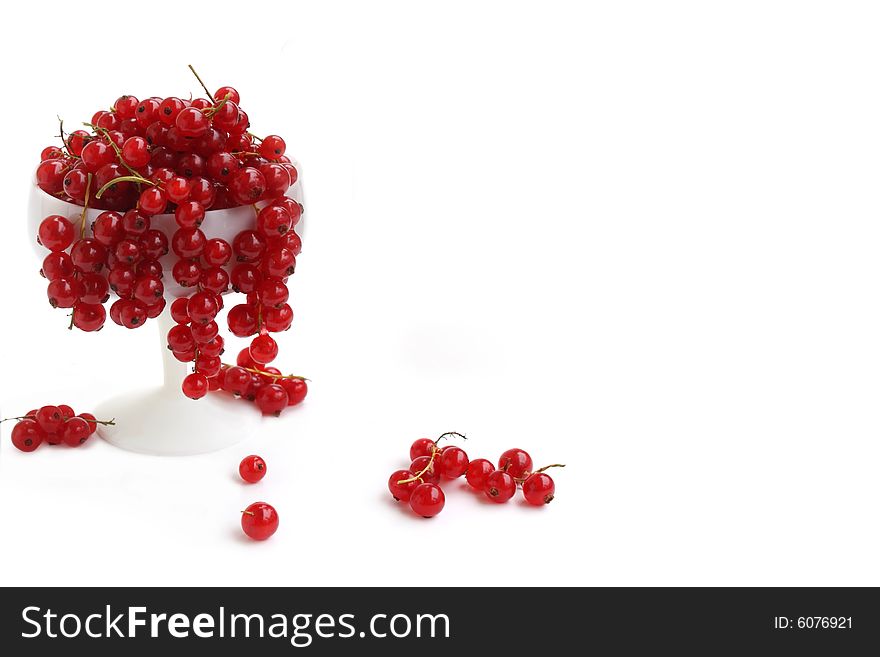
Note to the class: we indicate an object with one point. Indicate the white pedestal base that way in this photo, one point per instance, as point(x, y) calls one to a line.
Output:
point(163, 421)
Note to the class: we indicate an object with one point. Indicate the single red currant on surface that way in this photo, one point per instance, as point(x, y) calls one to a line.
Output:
point(539, 489)
point(195, 385)
point(89, 317)
point(27, 435)
point(453, 462)
point(402, 491)
point(516, 462)
point(252, 468)
point(427, 500)
point(259, 521)
point(478, 472)
point(500, 486)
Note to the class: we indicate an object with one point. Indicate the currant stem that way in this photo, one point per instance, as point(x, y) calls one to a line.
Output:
point(82, 227)
point(211, 111)
point(539, 470)
point(273, 376)
point(250, 513)
point(113, 145)
point(121, 179)
point(31, 417)
point(434, 452)
point(200, 81)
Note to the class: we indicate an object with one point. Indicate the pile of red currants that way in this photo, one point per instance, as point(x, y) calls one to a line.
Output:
point(144, 158)
point(419, 485)
point(54, 425)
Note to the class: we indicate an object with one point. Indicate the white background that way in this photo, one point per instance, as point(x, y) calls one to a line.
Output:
point(638, 239)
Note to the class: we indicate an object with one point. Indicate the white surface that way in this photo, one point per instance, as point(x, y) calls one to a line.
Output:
point(641, 240)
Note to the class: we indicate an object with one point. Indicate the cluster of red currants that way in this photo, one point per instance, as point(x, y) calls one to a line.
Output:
point(259, 520)
point(53, 425)
point(144, 158)
point(419, 485)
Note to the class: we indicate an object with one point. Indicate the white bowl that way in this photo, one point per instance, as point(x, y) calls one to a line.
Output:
point(161, 420)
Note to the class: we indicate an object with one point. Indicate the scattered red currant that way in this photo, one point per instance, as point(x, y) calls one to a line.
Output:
point(252, 468)
point(259, 521)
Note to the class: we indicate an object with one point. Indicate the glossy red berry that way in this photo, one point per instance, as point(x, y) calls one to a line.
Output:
point(56, 233)
point(259, 521)
point(66, 411)
point(427, 500)
point(453, 462)
point(263, 349)
point(242, 320)
point(189, 214)
point(249, 246)
point(272, 147)
point(152, 201)
point(186, 272)
point(49, 418)
point(478, 472)
point(202, 307)
point(50, 175)
point(27, 435)
point(401, 491)
point(273, 292)
point(279, 261)
point(297, 389)
point(136, 152)
point(538, 489)
point(57, 265)
point(64, 292)
point(192, 122)
point(135, 223)
point(178, 310)
point(188, 242)
point(169, 109)
point(279, 319)
point(515, 462)
point(247, 186)
point(149, 290)
point(252, 468)
point(195, 385)
point(271, 399)
point(420, 463)
point(75, 431)
point(88, 417)
point(227, 93)
point(204, 333)
point(89, 316)
point(500, 486)
point(421, 447)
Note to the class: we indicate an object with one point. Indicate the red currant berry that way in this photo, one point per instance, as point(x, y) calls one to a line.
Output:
point(478, 472)
point(259, 521)
point(190, 166)
point(94, 289)
point(133, 314)
point(277, 179)
point(93, 424)
point(421, 447)
point(213, 348)
point(49, 418)
point(180, 339)
point(75, 183)
point(27, 435)
point(64, 292)
point(75, 431)
point(247, 186)
point(249, 246)
point(152, 201)
point(96, 154)
point(202, 307)
point(66, 411)
point(148, 290)
point(57, 265)
point(500, 486)
point(208, 365)
point(189, 214)
point(89, 316)
point(453, 462)
point(135, 223)
point(107, 228)
point(56, 233)
point(204, 333)
point(214, 280)
point(192, 122)
point(515, 462)
point(279, 262)
point(273, 292)
point(169, 109)
point(297, 389)
point(178, 310)
point(202, 190)
point(51, 153)
point(427, 500)
point(276, 320)
point(217, 252)
point(77, 140)
point(156, 309)
point(126, 106)
point(245, 278)
point(538, 489)
point(273, 221)
point(122, 280)
point(263, 349)
point(177, 189)
point(195, 385)
point(136, 152)
point(272, 147)
point(50, 175)
point(88, 254)
point(228, 93)
point(252, 468)
point(127, 252)
point(186, 272)
point(272, 399)
point(401, 492)
point(420, 463)
point(242, 320)
point(146, 112)
point(154, 244)
point(237, 381)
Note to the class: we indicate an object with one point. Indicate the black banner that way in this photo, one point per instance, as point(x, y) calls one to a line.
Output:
point(414, 621)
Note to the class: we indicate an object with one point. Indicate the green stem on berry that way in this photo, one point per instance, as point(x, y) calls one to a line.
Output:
point(434, 452)
point(253, 370)
point(82, 219)
point(121, 179)
point(21, 417)
point(253, 136)
point(200, 81)
point(106, 423)
point(211, 111)
point(539, 470)
point(106, 134)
